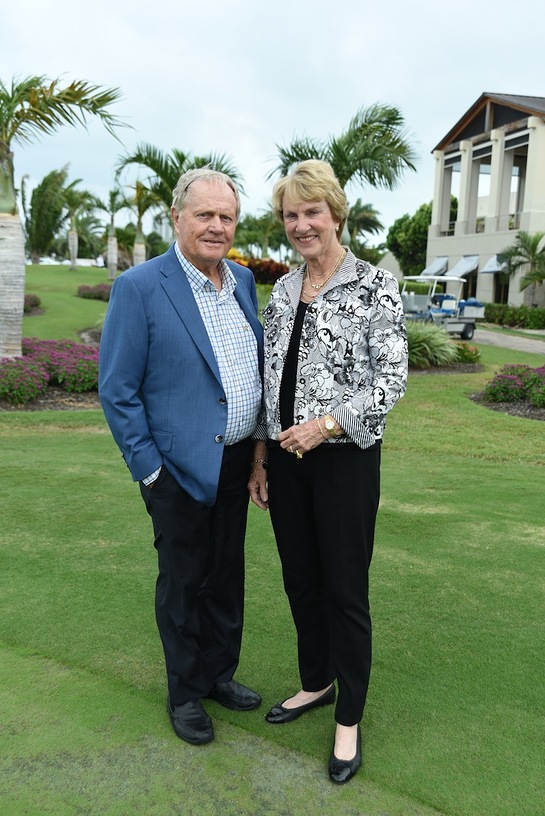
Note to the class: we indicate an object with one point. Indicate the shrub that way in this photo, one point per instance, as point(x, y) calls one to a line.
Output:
point(514, 316)
point(31, 302)
point(467, 353)
point(22, 380)
point(72, 365)
point(99, 292)
point(266, 270)
point(515, 383)
point(429, 345)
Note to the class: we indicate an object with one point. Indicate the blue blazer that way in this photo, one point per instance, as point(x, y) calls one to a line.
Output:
point(159, 382)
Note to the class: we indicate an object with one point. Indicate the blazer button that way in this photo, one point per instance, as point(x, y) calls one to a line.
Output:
point(218, 438)
point(222, 401)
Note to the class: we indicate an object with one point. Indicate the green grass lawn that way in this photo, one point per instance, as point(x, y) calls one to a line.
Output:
point(455, 715)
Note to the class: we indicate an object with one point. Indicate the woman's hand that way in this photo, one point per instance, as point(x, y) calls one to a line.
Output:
point(302, 438)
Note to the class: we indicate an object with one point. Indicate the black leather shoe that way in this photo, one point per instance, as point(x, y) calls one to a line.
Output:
point(191, 722)
point(279, 714)
point(342, 770)
point(235, 696)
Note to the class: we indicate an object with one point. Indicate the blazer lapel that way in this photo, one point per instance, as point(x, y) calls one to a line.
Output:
point(179, 292)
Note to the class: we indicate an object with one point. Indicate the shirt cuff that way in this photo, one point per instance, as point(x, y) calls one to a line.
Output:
point(151, 478)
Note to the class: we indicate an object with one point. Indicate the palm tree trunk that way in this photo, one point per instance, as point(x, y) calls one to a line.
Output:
point(73, 248)
point(12, 285)
point(112, 255)
point(139, 250)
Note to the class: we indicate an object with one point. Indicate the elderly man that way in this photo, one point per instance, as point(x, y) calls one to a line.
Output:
point(180, 385)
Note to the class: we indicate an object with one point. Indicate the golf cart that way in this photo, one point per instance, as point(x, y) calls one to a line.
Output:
point(448, 311)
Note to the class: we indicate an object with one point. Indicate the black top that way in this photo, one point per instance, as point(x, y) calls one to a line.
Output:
point(289, 374)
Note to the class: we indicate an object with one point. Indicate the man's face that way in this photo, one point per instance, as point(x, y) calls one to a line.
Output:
point(206, 226)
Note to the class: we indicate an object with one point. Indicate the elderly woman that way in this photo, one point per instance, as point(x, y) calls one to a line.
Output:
point(335, 364)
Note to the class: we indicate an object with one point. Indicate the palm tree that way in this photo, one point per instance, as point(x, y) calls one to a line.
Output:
point(166, 168)
point(29, 108)
point(144, 199)
point(373, 150)
point(77, 203)
point(362, 218)
point(526, 254)
point(116, 201)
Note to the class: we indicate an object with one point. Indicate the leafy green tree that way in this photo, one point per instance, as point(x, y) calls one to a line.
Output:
point(407, 239)
point(374, 149)
point(257, 235)
point(527, 254)
point(46, 214)
point(30, 108)
point(166, 168)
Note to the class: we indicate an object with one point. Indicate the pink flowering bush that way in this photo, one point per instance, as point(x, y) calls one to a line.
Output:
point(99, 292)
point(515, 383)
point(22, 380)
point(70, 365)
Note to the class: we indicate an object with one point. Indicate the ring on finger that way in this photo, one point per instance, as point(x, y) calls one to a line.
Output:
point(298, 454)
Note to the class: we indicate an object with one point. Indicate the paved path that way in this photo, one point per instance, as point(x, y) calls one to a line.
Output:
point(512, 341)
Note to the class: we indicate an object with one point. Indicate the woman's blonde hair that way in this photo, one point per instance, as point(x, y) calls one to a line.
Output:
point(312, 180)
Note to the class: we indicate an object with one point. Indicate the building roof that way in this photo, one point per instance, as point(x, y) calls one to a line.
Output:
point(493, 110)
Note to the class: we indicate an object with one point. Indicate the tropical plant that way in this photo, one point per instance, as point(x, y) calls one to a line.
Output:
point(527, 254)
point(30, 108)
point(45, 215)
point(116, 201)
point(374, 150)
point(166, 168)
point(429, 345)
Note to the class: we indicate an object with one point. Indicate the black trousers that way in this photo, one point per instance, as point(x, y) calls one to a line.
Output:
point(199, 595)
point(323, 509)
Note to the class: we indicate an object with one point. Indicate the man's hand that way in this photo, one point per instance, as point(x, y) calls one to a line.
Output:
point(257, 483)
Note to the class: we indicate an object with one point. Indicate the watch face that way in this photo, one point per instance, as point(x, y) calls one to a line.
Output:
point(329, 424)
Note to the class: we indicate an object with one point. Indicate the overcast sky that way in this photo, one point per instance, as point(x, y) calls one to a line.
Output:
point(244, 76)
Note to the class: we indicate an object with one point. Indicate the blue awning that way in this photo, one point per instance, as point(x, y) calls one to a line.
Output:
point(437, 267)
point(494, 265)
point(467, 264)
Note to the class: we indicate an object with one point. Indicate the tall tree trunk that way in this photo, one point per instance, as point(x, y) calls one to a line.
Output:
point(12, 285)
point(139, 251)
point(73, 247)
point(112, 254)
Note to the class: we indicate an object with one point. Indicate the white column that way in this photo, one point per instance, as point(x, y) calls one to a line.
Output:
point(533, 215)
point(497, 137)
point(469, 185)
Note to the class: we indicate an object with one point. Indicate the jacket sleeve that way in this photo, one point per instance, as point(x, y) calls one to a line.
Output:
point(122, 365)
point(383, 378)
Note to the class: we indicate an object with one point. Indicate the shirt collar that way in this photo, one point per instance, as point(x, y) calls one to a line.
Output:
point(198, 280)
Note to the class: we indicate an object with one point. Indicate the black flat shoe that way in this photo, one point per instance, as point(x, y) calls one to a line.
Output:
point(191, 722)
point(342, 770)
point(279, 714)
point(235, 696)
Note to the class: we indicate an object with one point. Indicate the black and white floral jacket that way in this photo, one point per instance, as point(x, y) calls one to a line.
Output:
point(352, 356)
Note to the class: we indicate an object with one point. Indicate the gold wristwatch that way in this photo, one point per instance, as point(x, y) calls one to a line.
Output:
point(329, 424)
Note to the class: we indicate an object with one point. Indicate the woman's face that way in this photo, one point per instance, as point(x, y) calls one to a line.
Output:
point(310, 227)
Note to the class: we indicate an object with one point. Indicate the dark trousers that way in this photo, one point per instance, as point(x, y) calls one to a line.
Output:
point(323, 509)
point(199, 595)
